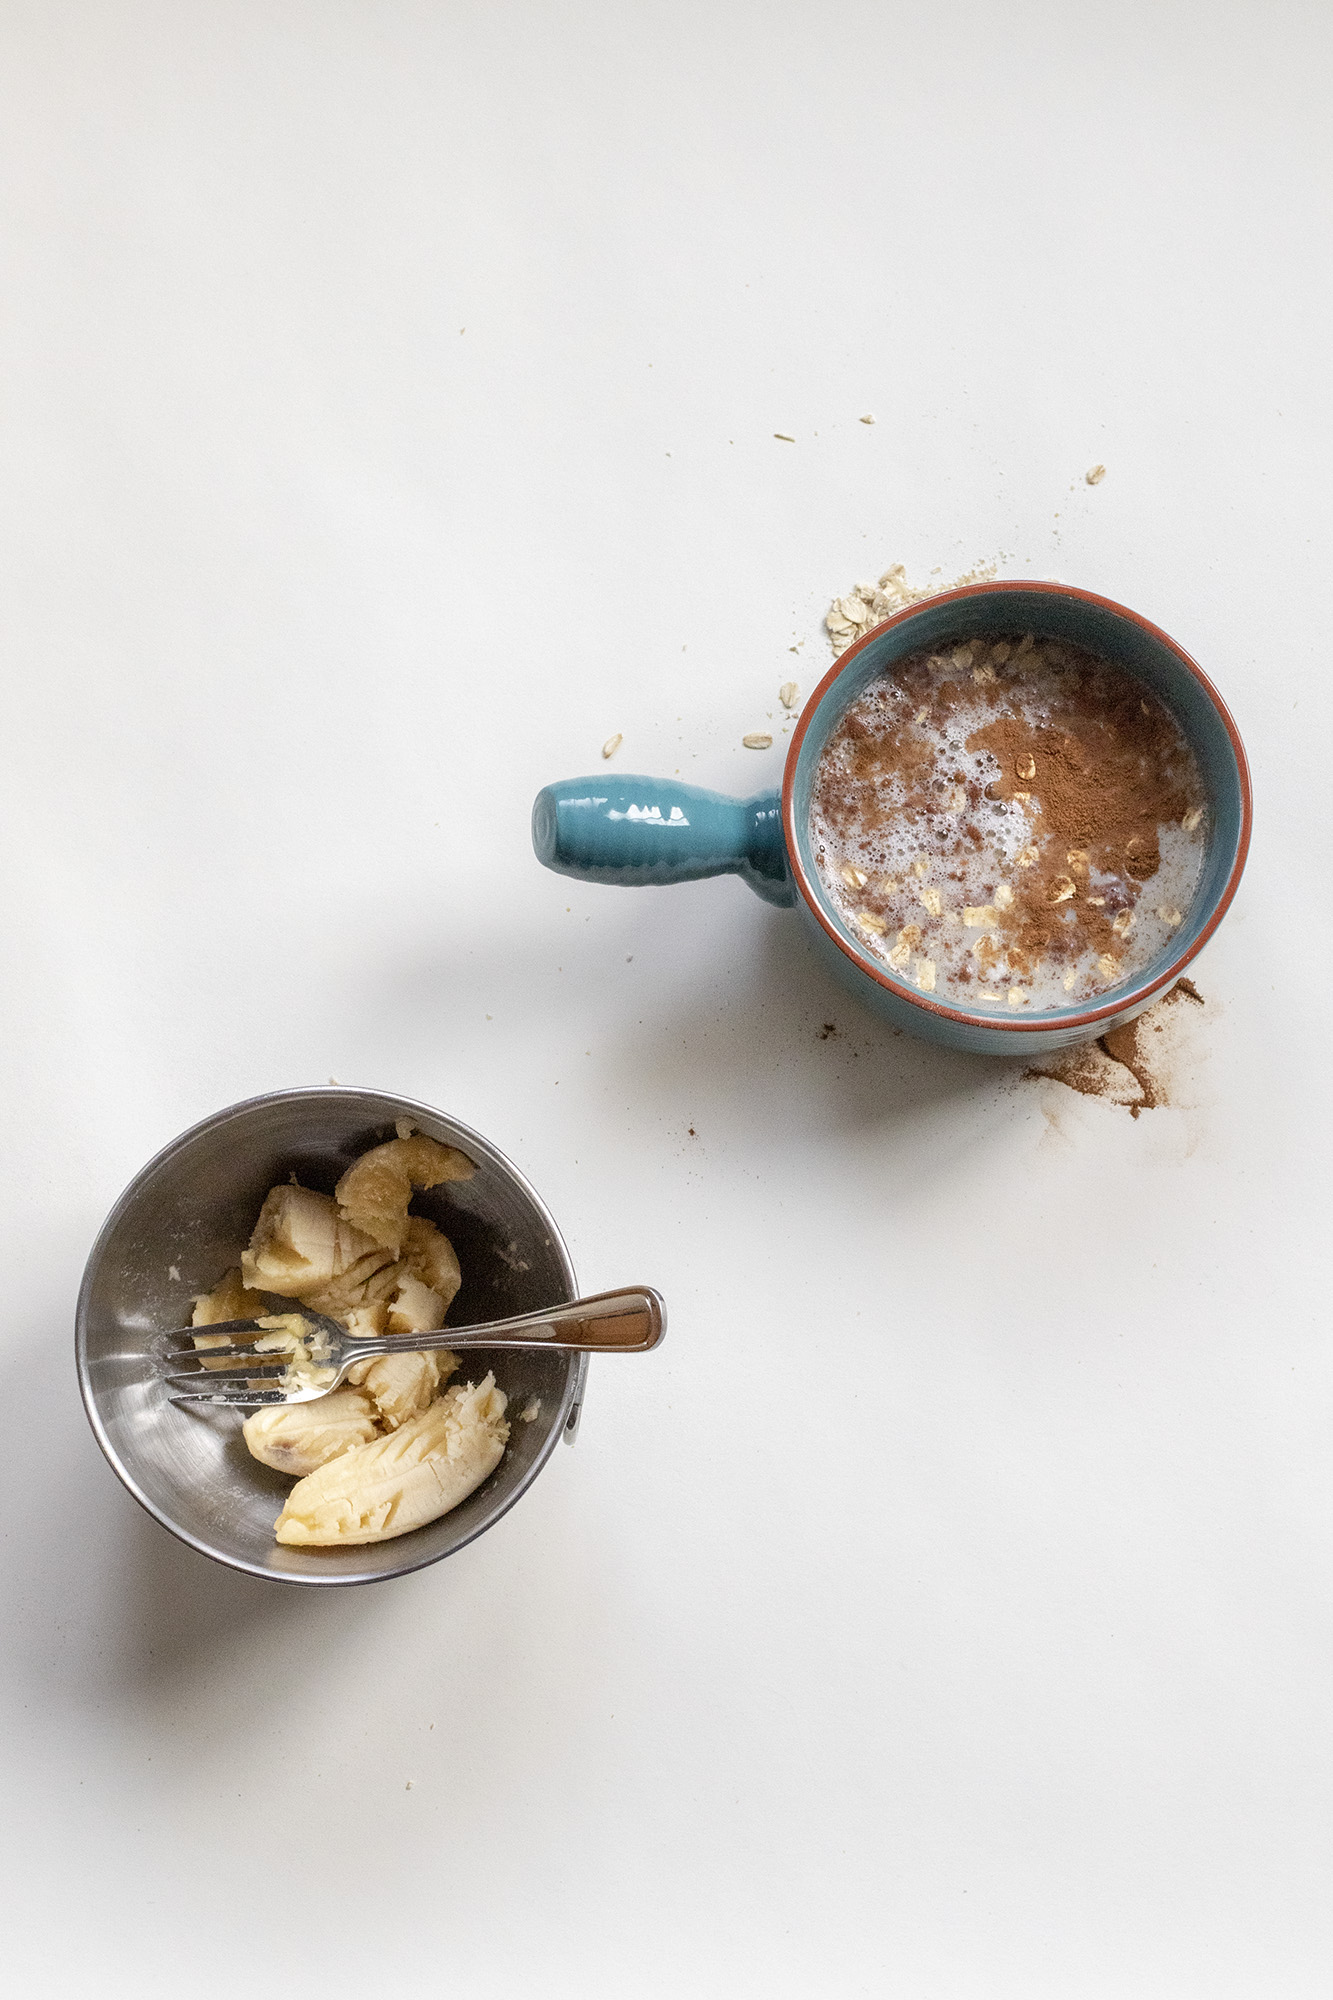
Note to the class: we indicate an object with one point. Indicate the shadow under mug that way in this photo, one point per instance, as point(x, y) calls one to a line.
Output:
point(641, 832)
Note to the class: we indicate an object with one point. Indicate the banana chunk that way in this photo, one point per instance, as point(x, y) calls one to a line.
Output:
point(400, 1482)
point(429, 1255)
point(403, 1385)
point(366, 1322)
point(410, 1295)
point(414, 1308)
point(369, 1283)
point(230, 1299)
point(304, 1436)
point(373, 1194)
point(301, 1245)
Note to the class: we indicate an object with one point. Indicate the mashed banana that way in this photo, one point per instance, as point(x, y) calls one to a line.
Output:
point(387, 1451)
point(401, 1481)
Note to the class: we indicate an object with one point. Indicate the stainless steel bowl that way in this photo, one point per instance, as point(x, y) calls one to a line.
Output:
point(186, 1217)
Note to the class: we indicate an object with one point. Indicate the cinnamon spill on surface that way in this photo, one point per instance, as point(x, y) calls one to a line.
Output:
point(1135, 1055)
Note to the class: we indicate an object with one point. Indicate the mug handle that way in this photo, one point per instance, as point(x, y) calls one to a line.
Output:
point(639, 831)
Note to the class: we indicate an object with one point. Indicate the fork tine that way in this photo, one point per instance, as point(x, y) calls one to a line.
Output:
point(223, 1377)
point(187, 1341)
point(218, 1326)
point(210, 1356)
point(239, 1401)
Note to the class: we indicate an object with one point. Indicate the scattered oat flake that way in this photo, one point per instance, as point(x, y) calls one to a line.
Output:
point(925, 974)
point(611, 745)
point(758, 739)
point(1095, 474)
point(1192, 818)
point(899, 956)
point(173, 1274)
point(868, 922)
point(1108, 967)
point(980, 916)
point(789, 694)
point(1168, 915)
point(930, 900)
point(1017, 997)
point(850, 617)
point(1004, 897)
point(867, 420)
point(1062, 889)
point(1026, 857)
point(531, 1410)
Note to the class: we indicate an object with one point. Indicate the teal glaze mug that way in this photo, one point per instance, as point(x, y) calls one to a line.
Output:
point(652, 831)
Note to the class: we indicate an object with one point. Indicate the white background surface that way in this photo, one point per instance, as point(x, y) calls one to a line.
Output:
point(946, 1611)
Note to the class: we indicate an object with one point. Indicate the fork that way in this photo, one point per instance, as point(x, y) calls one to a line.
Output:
point(623, 1322)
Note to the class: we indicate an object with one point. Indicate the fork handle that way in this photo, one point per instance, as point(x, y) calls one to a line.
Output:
point(623, 1322)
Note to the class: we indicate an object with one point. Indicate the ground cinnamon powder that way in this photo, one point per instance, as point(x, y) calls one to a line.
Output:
point(1136, 1047)
point(939, 763)
point(1103, 781)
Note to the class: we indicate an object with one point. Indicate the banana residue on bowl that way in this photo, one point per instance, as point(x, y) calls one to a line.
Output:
point(389, 1450)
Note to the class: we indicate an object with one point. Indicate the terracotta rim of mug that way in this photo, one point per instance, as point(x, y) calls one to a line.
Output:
point(1041, 1023)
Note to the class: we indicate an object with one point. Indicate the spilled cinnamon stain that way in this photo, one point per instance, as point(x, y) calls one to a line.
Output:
point(1138, 1053)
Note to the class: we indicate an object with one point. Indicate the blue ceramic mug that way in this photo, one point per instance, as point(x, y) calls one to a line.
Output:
point(652, 831)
